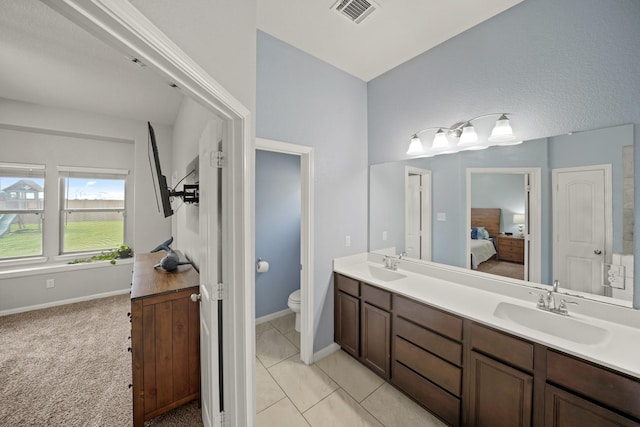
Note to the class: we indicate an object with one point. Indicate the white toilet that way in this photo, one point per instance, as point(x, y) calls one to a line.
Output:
point(294, 305)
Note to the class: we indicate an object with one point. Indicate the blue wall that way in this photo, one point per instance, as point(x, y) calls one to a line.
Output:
point(499, 190)
point(305, 101)
point(559, 67)
point(277, 229)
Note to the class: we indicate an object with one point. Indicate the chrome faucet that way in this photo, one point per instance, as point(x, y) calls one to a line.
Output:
point(402, 254)
point(547, 302)
point(389, 263)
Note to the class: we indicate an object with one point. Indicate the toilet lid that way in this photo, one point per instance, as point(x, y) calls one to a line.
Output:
point(295, 296)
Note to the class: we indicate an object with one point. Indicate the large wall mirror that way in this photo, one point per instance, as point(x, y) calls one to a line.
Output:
point(557, 208)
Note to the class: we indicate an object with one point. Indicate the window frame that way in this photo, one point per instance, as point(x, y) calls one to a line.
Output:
point(26, 170)
point(66, 172)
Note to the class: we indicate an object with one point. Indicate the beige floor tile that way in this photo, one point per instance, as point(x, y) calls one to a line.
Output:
point(340, 410)
point(294, 338)
point(262, 327)
point(282, 414)
point(285, 323)
point(304, 385)
point(272, 347)
point(394, 409)
point(267, 390)
point(350, 374)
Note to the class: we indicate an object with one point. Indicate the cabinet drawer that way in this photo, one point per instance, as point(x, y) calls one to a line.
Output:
point(347, 285)
point(432, 397)
point(567, 409)
point(376, 296)
point(505, 347)
point(612, 389)
point(436, 344)
point(431, 318)
point(429, 366)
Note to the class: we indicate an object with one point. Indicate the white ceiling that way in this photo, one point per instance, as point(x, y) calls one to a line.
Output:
point(48, 60)
point(394, 33)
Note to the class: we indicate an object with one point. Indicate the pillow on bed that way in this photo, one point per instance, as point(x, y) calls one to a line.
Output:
point(479, 233)
point(474, 233)
point(483, 233)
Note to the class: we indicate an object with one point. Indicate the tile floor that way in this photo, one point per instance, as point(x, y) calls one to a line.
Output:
point(336, 391)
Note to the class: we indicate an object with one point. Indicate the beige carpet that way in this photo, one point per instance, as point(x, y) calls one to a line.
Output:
point(69, 366)
point(503, 268)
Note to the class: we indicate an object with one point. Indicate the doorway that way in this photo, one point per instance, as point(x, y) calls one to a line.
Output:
point(515, 222)
point(305, 155)
point(418, 213)
point(582, 232)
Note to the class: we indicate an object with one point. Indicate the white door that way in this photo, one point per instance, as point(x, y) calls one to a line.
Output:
point(209, 276)
point(582, 226)
point(418, 213)
point(413, 242)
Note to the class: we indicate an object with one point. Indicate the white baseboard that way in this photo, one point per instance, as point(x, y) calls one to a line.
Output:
point(64, 302)
point(322, 353)
point(272, 316)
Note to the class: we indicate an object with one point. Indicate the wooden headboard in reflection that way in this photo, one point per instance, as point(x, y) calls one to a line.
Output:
point(489, 218)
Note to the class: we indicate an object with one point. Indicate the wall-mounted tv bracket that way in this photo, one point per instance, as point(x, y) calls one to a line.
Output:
point(190, 193)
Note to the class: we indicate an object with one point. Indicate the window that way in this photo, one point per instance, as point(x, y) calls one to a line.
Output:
point(93, 209)
point(21, 209)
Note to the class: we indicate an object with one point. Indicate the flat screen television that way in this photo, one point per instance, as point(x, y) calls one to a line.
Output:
point(162, 190)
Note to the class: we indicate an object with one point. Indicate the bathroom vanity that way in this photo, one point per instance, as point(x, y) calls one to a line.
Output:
point(474, 357)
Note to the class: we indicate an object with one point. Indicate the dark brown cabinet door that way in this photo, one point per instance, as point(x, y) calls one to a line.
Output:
point(347, 328)
point(376, 339)
point(500, 396)
point(564, 409)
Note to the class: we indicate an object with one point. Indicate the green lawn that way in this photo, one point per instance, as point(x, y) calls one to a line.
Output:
point(78, 236)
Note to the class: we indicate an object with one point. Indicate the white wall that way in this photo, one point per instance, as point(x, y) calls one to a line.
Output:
point(219, 35)
point(144, 222)
point(187, 129)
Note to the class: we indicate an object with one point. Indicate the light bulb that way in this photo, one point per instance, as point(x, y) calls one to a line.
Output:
point(415, 147)
point(502, 130)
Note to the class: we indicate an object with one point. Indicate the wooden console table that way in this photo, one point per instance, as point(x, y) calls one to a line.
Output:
point(165, 337)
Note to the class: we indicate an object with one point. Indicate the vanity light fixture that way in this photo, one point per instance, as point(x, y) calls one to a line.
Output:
point(465, 133)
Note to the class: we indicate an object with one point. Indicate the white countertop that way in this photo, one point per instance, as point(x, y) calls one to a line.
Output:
point(475, 296)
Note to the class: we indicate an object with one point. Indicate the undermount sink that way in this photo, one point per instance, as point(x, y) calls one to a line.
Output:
point(384, 274)
point(553, 324)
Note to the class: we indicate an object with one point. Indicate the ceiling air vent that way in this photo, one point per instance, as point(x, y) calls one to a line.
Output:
point(355, 10)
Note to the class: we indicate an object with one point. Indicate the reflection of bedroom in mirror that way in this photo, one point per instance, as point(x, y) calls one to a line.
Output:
point(503, 222)
point(499, 202)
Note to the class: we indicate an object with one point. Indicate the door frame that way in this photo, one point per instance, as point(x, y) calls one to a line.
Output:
point(533, 233)
point(425, 215)
point(608, 210)
point(306, 238)
point(122, 26)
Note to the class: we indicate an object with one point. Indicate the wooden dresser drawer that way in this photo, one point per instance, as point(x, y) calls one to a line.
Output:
point(505, 347)
point(612, 389)
point(376, 296)
point(347, 285)
point(429, 366)
point(431, 318)
point(434, 343)
point(439, 402)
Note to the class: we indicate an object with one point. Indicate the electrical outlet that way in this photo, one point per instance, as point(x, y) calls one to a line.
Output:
point(51, 283)
point(347, 241)
point(384, 236)
point(614, 276)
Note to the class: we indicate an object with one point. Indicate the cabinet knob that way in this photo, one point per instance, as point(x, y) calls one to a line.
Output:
point(129, 314)
point(597, 252)
point(129, 349)
point(130, 385)
point(195, 297)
